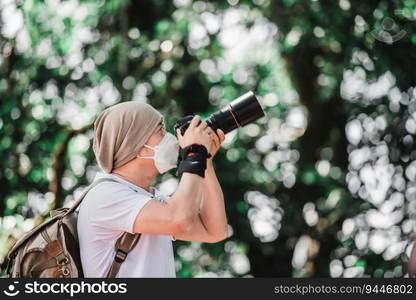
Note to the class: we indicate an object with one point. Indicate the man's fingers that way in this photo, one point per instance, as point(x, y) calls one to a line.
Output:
point(178, 132)
point(194, 121)
point(215, 137)
point(203, 125)
point(221, 135)
point(207, 129)
point(216, 142)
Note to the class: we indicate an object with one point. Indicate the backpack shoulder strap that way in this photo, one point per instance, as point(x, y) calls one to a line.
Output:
point(125, 243)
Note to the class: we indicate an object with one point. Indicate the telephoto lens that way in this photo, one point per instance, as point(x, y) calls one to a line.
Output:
point(241, 111)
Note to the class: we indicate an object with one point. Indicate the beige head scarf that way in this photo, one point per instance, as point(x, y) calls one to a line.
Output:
point(121, 130)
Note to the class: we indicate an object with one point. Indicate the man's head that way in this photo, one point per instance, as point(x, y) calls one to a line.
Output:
point(121, 131)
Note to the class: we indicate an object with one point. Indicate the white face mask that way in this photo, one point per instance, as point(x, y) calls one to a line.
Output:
point(166, 153)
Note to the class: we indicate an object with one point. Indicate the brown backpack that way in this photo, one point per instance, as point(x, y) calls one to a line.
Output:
point(51, 249)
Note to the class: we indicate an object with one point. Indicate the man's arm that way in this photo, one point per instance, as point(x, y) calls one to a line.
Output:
point(210, 226)
point(212, 211)
point(177, 216)
point(187, 216)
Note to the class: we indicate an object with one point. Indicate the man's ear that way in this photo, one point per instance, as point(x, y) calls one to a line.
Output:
point(144, 151)
point(138, 154)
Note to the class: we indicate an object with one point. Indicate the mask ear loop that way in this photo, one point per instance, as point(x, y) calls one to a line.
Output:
point(150, 157)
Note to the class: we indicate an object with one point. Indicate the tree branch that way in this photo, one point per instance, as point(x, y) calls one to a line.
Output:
point(58, 166)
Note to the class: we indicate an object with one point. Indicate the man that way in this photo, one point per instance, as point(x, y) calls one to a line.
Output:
point(132, 147)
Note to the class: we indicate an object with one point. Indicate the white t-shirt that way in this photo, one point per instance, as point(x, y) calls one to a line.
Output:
point(109, 209)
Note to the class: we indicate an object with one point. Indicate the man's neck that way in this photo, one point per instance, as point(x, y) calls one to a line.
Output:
point(138, 179)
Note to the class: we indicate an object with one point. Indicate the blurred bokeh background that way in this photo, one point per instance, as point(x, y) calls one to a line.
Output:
point(325, 185)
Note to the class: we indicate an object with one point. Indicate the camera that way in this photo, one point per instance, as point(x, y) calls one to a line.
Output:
point(241, 111)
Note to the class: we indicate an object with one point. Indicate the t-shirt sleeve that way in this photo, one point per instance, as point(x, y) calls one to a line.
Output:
point(116, 207)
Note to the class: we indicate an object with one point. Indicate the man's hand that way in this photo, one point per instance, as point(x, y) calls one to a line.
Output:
point(195, 134)
point(217, 140)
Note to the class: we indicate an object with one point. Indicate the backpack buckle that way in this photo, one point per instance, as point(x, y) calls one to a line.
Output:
point(120, 256)
point(62, 260)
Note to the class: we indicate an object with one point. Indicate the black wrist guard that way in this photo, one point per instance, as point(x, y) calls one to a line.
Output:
point(193, 159)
